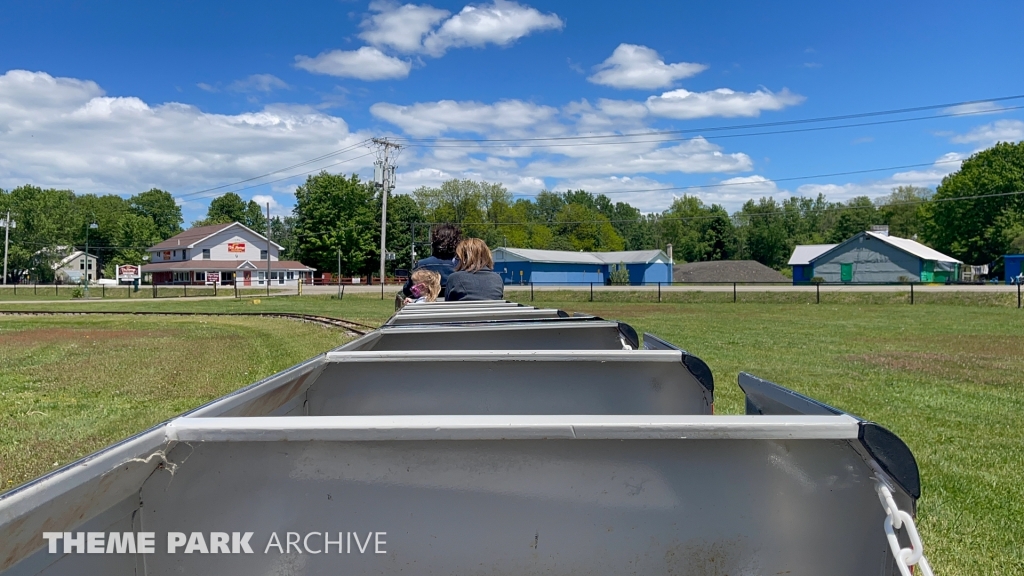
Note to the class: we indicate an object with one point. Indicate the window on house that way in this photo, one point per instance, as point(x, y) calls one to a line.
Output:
point(263, 254)
point(181, 277)
point(200, 276)
point(90, 264)
point(183, 254)
point(206, 253)
point(81, 264)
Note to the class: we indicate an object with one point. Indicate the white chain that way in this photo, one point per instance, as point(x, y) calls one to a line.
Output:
point(894, 520)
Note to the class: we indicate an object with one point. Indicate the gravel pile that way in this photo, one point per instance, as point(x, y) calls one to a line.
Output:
point(726, 271)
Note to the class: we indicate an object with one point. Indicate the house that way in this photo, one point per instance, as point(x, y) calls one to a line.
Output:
point(76, 267)
point(523, 266)
point(873, 257)
point(222, 253)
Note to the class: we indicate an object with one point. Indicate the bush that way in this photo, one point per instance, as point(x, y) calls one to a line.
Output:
point(619, 274)
point(78, 292)
point(817, 280)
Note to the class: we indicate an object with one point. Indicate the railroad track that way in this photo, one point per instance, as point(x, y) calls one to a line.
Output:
point(349, 325)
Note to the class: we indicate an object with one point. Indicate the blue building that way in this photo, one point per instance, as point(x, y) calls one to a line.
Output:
point(873, 257)
point(522, 266)
point(1012, 264)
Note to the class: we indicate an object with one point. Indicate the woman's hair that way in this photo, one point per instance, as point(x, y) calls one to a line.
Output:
point(443, 241)
point(430, 280)
point(473, 255)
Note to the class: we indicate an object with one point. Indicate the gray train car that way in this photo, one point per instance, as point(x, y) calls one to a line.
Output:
point(593, 457)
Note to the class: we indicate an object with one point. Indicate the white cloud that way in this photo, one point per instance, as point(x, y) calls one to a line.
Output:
point(501, 22)
point(436, 118)
point(276, 208)
point(989, 134)
point(258, 83)
point(975, 108)
point(64, 132)
point(366, 63)
point(400, 27)
point(692, 156)
point(685, 105)
point(632, 66)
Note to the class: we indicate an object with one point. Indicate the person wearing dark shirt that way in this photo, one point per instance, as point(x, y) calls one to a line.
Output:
point(474, 277)
point(443, 241)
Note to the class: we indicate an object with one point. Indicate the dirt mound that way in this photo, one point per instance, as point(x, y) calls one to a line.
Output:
point(726, 271)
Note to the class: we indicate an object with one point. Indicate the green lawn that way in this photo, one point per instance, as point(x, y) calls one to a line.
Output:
point(941, 374)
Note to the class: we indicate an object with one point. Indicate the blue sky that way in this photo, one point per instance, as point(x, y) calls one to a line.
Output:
point(123, 96)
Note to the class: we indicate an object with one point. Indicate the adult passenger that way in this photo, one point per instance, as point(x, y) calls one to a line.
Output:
point(443, 241)
point(474, 277)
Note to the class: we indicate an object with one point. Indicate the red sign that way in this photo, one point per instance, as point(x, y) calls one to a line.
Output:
point(167, 254)
point(213, 277)
point(128, 272)
point(236, 246)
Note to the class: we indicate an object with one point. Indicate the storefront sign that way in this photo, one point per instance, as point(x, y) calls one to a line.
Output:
point(129, 272)
point(236, 247)
point(213, 277)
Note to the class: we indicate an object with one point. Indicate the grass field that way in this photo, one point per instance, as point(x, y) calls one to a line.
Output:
point(944, 376)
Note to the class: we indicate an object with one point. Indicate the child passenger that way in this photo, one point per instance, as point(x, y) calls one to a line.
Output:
point(426, 285)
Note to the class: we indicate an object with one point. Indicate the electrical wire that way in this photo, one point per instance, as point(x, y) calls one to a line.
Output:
point(300, 164)
point(483, 146)
point(740, 126)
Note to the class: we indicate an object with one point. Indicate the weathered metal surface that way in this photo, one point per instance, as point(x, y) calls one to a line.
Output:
point(529, 507)
point(471, 315)
point(507, 382)
point(594, 335)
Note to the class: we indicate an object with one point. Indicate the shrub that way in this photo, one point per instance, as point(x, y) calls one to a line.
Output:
point(78, 292)
point(619, 274)
point(817, 280)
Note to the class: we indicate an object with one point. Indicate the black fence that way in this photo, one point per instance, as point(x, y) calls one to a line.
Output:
point(736, 290)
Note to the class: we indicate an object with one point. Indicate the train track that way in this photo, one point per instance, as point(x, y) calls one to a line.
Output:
point(349, 325)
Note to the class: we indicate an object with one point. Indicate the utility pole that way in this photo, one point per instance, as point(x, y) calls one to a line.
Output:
point(92, 225)
point(384, 179)
point(268, 248)
point(7, 241)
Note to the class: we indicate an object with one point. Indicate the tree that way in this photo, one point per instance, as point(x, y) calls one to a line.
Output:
point(586, 229)
point(904, 210)
point(132, 234)
point(161, 208)
point(763, 234)
point(696, 231)
point(858, 215)
point(335, 213)
point(231, 208)
point(977, 213)
point(46, 227)
point(403, 212)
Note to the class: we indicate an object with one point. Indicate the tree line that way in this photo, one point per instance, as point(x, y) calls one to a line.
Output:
point(976, 215)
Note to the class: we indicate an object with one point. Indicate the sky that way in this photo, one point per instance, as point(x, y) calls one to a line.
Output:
point(202, 98)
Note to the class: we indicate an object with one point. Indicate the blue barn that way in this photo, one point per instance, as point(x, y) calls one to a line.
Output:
point(523, 266)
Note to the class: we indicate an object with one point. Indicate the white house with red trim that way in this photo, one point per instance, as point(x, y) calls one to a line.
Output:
point(225, 254)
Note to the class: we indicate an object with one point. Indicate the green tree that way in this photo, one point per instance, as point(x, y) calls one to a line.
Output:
point(334, 213)
point(231, 208)
point(905, 210)
point(46, 224)
point(161, 208)
point(403, 212)
point(976, 216)
point(696, 231)
point(763, 235)
point(132, 234)
point(586, 229)
point(858, 215)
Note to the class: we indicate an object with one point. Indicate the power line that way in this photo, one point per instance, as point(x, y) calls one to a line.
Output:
point(742, 126)
point(303, 163)
point(482, 146)
point(281, 179)
point(768, 181)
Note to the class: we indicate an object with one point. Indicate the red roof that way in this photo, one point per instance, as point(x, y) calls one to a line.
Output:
point(229, 265)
